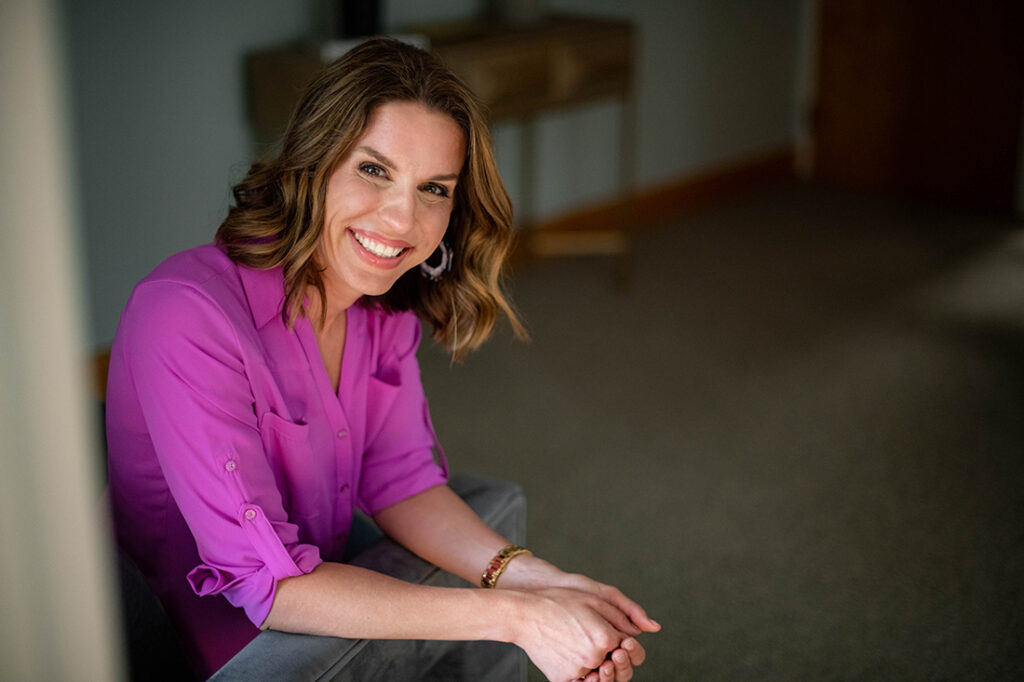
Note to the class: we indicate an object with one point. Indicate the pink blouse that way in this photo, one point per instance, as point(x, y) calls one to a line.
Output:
point(232, 462)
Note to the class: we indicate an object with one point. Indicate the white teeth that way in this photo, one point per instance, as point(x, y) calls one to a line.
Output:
point(377, 249)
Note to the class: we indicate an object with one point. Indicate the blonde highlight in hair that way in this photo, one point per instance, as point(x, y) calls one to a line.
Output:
point(278, 213)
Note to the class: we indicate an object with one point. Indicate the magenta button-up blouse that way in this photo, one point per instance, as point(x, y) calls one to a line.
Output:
point(232, 462)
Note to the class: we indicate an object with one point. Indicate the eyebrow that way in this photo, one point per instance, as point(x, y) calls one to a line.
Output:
point(391, 164)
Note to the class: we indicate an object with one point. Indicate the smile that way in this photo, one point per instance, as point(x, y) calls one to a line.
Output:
point(376, 248)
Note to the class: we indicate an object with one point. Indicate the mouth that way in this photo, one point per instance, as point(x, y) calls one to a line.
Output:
point(377, 249)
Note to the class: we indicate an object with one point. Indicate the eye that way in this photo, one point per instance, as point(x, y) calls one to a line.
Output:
point(373, 170)
point(437, 190)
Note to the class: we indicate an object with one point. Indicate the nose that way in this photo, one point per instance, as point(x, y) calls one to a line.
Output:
point(398, 210)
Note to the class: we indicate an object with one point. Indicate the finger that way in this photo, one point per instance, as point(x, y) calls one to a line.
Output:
point(633, 611)
point(637, 653)
point(614, 596)
point(607, 672)
point(615, 617)
point(592, 676)
point(623, 667)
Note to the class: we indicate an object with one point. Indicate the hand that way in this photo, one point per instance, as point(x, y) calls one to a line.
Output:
point(532, 573)
point(620, 663)
point(637, 615)
point(569, 634)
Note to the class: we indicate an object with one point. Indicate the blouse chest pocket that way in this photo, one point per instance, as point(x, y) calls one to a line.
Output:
point(301, 475)
point(382, 389)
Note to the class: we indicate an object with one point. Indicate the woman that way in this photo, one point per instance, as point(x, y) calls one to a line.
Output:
point(263, 387)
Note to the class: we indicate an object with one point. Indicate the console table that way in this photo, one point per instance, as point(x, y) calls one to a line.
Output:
point(518, 72)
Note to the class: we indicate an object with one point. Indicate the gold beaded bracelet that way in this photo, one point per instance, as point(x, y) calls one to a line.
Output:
point(499, 563)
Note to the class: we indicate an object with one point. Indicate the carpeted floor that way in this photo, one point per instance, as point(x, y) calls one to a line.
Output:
point(797, 437)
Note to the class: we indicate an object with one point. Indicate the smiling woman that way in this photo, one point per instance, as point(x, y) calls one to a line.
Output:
point(279, 213)
point(264, 387)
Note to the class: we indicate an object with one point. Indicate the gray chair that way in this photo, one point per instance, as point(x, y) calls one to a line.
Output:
point(285, 657)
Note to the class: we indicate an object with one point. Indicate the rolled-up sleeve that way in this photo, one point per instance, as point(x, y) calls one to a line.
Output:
point(186, 362)
point(399, 459)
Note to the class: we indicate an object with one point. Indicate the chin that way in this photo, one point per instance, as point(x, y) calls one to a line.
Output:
point(378, 288)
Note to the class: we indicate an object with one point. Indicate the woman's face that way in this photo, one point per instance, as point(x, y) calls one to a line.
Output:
point(389, 200)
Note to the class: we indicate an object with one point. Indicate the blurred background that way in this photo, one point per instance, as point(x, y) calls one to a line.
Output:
point(771, 263)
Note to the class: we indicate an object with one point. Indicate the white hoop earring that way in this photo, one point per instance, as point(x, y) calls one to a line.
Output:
point(436, 272)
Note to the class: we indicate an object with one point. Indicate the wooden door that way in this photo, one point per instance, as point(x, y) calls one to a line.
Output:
point(922, 96)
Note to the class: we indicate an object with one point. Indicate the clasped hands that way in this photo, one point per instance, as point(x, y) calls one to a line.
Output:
point(575, 628)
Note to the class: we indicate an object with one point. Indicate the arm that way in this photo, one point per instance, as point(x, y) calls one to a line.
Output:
point(565, 632)
point(183, 357)
point(438, 526)
point(348, 601)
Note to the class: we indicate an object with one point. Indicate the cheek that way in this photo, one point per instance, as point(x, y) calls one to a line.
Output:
point(438, 224)
point(348, 200)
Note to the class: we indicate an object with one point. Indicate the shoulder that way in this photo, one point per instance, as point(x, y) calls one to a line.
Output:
point(195, 267)
point(205, 270)
point(189, 290)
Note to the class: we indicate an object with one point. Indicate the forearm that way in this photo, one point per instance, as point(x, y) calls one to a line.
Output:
point(440, 527)
point(348, 601)
point(567, 633)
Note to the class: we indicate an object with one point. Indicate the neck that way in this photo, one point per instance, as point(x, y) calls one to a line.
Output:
point(327, 311)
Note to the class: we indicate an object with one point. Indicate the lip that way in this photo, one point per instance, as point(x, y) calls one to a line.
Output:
point(393, 243)
point(373, 259)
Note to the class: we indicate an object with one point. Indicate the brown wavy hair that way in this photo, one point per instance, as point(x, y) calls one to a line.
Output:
point(278, 213)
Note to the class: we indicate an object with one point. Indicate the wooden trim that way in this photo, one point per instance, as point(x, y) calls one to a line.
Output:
point(668, 201)
point(578, 242)
point(604, 228)
point(99, 369)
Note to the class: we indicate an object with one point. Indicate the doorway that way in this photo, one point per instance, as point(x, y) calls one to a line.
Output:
point(921, 97)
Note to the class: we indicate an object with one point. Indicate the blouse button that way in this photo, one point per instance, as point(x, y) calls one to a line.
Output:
point(250, 514)
point(344, 488)
point(231, 465)
point(342, 433)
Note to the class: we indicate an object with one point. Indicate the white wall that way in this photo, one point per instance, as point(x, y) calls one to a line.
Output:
point(160, 127)
point(161, 130)
point(717, 81)
point(716, 78)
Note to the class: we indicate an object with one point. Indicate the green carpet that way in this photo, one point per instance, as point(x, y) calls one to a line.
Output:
point(796, 437)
